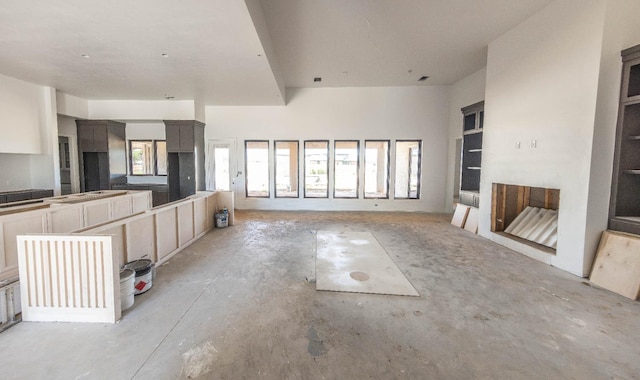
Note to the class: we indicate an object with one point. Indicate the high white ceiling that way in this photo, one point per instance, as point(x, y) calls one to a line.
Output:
point(234, 52)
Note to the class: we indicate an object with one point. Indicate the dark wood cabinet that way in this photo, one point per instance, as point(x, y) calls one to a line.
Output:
point(473, 123)
point(93, 137)
point(624, 209)
point(183, 135)
point(102, 154)
point(185, 157)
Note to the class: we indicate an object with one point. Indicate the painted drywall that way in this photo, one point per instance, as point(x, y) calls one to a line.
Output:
point(142, 109)
point(29, 135)
point(621, 31)
point(22, 110)
point(145, 131)
point(464, 93)
point(72, 106)
point(44, 167)
point(541, 86)
point(14, 171)
point(344, 114)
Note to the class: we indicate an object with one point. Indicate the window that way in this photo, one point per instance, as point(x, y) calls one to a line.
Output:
point(376, 165)
point(147, 157)
point(316, 169)
point(407, 184)
point(286, 153)
point(346, 162)
point(257, 168)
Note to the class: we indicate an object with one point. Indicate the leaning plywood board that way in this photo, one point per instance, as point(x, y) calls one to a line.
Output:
point(471, 224)
point(617, 264)
point(460, 215)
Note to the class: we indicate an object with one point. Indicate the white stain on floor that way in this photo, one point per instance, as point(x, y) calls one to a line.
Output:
point(198, 360)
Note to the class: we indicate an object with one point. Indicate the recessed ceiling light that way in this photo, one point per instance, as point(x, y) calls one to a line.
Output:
point(85, 55)
point(317, 79)
point(165, 55)
point(423, 78)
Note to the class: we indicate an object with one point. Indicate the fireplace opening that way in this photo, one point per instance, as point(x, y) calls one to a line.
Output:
point(526, 214)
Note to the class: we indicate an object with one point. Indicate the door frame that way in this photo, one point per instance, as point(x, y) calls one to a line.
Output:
point(233, 162)
point(74, 167)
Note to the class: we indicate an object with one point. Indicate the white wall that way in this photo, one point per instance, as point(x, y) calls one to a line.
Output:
point(542, 84)
point(142, 109)
point(22, 110)
point(72, 106)
point(343, 114)
point(465, 92)
point(28, 147)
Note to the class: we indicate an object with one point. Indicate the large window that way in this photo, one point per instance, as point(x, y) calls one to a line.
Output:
point(345, 173)
point(316, 169)
point(257, 168)
point(407, 184)
point(147, 157)
point(286, 153)
point(376, 165)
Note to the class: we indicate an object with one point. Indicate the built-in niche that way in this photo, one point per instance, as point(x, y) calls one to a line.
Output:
point(527, 214)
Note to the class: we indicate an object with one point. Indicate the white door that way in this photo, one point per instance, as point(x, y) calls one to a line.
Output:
point(221, 165)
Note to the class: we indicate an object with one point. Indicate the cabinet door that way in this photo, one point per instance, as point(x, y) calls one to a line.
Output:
point(100, 139)
point(85, 138)
point(186, 138)
point(173, 138)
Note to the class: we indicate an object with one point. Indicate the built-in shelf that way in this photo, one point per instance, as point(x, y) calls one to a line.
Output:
point(471, 149)
point(625, 184)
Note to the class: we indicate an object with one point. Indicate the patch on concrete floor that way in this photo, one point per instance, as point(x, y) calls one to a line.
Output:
point(356, 262)
point(316, 345)
point(198, 360)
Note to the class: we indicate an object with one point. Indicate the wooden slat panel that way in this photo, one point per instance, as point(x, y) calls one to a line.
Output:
point(68, 278)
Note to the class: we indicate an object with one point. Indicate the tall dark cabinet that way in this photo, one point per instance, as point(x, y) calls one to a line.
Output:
point(185, 151)
point(102, 154)
point(624, 210)
point(473, 123)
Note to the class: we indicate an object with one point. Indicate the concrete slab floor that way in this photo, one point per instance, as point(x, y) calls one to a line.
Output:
point(240, 303)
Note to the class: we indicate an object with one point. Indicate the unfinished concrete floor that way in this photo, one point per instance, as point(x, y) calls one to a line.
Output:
point(240, 303)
